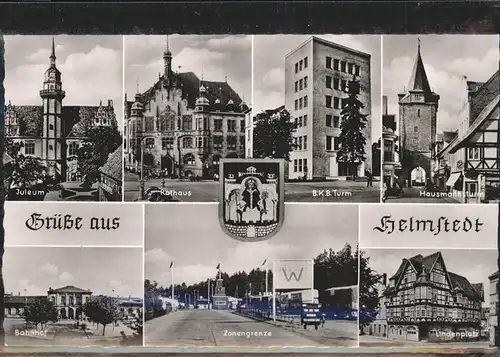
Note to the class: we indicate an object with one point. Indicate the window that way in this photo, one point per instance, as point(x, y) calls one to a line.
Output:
point(418, 112)
point(29, 148)
point(301, 84)
point(73, 149)
point(305, 120)
point(295, 165)
point(329, 62)
point(329, 120)
point(299, 143)
point(300, 65)
point(343, 66)
point(328, 81)
point(296, 104)
point(415, 129)
point(167, 143)
point(305, 82)
point(242, 125)
point(350, 67)
point(415, 141)
point(336, 64)
point(305, 62)
point(217, 124)
point(300, 103)
point(343, 85)
point(329, 143)
point(336, 143)
point(328, 101)
point(218, 141)
point(231, 142)
point(231, 125)
point(336, 83)
point(304, 142)
point(357, 69)
point(305, 102)
point(305, 165)
point(187, 143)
point(296, 86)
point(187, 122)
point(296, 68)
point(199, 142)
point(336, 102)
point(336, 121)
point(473, 154)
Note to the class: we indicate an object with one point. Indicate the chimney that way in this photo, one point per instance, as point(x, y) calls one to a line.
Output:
point(384, 105)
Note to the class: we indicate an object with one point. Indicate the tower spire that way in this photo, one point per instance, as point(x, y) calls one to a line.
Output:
point(418, 79)
point(53, 53)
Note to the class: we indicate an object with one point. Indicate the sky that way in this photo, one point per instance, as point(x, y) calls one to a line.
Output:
point(191, 236)
point(129, 233)
point(371, 215)
point(101, 270)
point(269, 69)
point(480, 263)
point(447, 58)
point(213, 56)
point(91, 68)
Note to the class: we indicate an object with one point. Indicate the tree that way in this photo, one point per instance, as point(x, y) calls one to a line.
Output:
point(368, 293)
point(352, 139)
point(41, 311)
point(25, 170)
point(136, 325)
point(93, 154)
point(82, 127)
point(102, 310)
point(273, 135)
point(2, 187)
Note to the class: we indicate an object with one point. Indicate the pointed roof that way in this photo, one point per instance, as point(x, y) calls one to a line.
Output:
point(418, 79)
point(53, 52)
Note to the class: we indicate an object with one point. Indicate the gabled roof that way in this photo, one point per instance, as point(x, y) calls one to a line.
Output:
point(418, 79)
point(419, 263)
point(70, 289)
point(190, 85)
point(113, 166)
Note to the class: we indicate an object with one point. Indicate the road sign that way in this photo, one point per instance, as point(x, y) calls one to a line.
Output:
point(293, 274)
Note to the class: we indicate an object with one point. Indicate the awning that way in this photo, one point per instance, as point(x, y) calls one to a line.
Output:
point(453, 178)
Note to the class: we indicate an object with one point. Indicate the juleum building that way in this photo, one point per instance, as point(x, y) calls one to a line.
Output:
point(316, 76)
point(51, 131)
point(184, 124)
point(425, 301)
point(69, 302)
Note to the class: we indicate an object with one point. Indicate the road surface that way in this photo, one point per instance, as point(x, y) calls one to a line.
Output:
point(208, 191)
point(216, 328)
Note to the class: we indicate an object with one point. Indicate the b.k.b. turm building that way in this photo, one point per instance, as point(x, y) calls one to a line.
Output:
point(317, 73)
point(418, 107)
point(51, 131)
point(424, 301)
point(185, 124)
point(69, 302)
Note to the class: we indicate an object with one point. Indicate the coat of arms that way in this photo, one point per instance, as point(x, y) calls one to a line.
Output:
point(251, 206)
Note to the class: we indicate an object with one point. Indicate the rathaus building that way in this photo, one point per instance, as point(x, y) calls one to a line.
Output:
point(184, 125)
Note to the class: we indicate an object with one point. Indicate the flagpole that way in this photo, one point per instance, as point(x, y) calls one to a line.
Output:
point(172, 272)
point(267, 279)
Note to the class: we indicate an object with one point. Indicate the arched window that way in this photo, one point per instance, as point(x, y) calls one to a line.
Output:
point(187, 143)
point(150, 142)
point(189, 159)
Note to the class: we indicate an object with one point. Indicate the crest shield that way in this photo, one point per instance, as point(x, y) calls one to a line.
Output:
point(251, 198)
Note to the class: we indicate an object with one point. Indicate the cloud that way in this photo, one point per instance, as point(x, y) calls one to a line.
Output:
point(50, 268)
point(88, 77)
point(26, 287)
point(157, 256)
point(66, 277)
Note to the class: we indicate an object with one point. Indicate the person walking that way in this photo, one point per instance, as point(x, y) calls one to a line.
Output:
point(369, 181)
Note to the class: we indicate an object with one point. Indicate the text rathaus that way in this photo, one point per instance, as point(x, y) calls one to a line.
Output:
point(184, 125)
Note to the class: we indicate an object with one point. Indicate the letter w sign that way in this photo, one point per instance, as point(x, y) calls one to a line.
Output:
point(293, 274)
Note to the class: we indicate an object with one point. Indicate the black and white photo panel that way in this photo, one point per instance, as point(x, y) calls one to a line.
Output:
point(317, 103)
point(428, 297)
point(440, 119)
point(63, 118)
point(187, 105)
point(204, 288)
point(73, 297)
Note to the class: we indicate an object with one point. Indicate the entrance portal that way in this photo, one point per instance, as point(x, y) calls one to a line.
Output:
point(417, 176)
